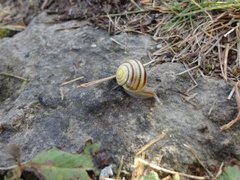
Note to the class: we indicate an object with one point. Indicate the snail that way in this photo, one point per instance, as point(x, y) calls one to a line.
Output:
point(132, 76)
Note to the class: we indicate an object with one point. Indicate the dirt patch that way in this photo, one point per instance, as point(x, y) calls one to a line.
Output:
point(22, 12)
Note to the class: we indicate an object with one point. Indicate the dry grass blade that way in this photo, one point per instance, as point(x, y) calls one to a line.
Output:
point(152, 142)
point(187, 30)
point(95, 82)
point(211, 108)
point(8, 168)
point(158, 168)
point(225, 65)
point(231, 93)
point(71, 81)
point(188, 97)
point(138, 166)
point(219, 171)
point(119, 169)
point(135, 4)
point(202, 9)
point(128, 13)
point(13, 76)
point(220, 58)
point(168, 177)
point(232, 122)
point(188, 70)
point(238, 44)
point(199, 160)
point(13, 27)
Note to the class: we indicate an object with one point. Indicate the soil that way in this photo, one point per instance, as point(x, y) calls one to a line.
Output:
point(22, 12)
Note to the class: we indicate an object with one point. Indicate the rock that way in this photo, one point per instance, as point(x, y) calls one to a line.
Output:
point(35, 116)
point(106, 172)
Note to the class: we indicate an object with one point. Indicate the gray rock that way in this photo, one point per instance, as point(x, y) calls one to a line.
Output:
point(37, 118)
point(106, 172)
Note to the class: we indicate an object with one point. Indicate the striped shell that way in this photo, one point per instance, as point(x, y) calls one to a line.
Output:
point(131, 75)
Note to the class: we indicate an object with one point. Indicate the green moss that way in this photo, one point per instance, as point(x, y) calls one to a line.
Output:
point(4, 33)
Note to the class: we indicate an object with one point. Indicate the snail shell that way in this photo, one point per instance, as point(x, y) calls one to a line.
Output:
point(132, 76)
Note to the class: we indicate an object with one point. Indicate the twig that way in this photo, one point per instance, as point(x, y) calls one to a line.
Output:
point(13, 76)
point(158, 168)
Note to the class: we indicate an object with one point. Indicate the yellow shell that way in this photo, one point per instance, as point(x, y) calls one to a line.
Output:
point(131, 75)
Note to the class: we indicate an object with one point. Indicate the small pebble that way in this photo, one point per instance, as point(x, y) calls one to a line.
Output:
point(106, 172)
point(93, 45)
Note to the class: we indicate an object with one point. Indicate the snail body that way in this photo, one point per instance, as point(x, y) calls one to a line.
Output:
point(132, 76)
